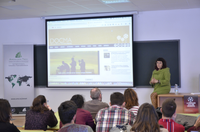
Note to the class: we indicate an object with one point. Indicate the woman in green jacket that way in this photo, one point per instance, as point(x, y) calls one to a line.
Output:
point(160, 80)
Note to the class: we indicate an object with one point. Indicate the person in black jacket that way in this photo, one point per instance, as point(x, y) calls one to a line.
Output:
point(5, 116)
point(40, 115)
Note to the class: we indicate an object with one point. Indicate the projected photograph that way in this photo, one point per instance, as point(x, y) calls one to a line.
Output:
point(74, 63)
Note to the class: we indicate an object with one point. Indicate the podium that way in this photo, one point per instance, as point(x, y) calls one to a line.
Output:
point(179, 99)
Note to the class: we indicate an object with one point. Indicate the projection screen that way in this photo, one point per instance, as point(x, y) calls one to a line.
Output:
point(90, 52)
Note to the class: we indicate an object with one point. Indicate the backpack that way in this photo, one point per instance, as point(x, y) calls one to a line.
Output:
point(121, 128)
point(159, 113)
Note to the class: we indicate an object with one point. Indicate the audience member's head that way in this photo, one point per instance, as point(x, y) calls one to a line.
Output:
point(168, 107)
point(131, 98)
point(38, 104)
point(95, 93)
point(5, 110)
point(67, 111)
point(146, 120)
point(117, 98)
point(78, 100)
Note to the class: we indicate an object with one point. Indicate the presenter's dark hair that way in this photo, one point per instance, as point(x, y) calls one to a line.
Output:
point(38, 104)
point(131, 98)
point(66, 111)
point(163, 61)
point(78, 100)
point(146, 120)
point(117, 98)
point(5, 111)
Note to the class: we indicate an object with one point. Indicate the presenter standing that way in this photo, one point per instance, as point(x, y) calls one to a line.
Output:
point(160, 80)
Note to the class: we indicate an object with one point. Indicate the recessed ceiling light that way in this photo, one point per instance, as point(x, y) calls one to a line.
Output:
point(114, 1)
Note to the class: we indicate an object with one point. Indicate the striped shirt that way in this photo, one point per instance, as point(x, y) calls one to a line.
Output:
point(134, 109)
point(108, 118)
point(171, 125)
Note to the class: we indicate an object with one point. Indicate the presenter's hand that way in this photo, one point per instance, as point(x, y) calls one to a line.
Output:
point(154, 81)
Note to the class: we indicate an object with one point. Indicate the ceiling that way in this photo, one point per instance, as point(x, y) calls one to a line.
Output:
point(45, 8)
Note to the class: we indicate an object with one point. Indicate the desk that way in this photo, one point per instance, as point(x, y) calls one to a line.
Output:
point(18, 121)
point(179, 99)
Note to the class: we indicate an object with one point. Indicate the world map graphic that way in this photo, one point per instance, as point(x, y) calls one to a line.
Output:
point(16, 79)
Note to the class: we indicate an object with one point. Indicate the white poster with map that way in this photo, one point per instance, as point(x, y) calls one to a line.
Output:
point(18, 76)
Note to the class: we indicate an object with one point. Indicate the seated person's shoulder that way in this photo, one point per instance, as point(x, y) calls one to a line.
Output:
point(85, 111)
point(193, 128)
point(179, 125)
point(86, 127)
point(105, 104)
point(8, 127)
point(102, 112)
point(77, 128)
point(82, 127)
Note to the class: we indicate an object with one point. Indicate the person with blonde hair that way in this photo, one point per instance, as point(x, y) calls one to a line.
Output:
point(131, 100)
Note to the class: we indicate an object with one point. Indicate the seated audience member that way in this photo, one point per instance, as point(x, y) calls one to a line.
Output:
point(82, 116)
point(5, 116)
point(147, 120)
point(168, 113)
point(131, 100)
point(116, 114)
point(40, 115)
point(94, 105)
point(67, 112)
point(196, 126)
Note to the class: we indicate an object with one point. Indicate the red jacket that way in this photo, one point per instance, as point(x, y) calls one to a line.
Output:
point(171, 125)
point(83, 117)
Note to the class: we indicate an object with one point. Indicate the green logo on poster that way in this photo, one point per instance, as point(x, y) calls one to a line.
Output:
point(18, 55)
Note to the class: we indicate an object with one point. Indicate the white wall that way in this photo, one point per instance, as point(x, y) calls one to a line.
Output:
point(151, 25)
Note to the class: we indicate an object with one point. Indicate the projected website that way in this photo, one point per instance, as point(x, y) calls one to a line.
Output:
point(90, 52)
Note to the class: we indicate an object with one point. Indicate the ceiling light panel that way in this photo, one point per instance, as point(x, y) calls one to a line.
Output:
point(114, 1)
point(100, 8)
point(88, 2)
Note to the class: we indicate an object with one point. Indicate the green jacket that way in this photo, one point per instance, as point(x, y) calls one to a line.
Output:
point(164, 76)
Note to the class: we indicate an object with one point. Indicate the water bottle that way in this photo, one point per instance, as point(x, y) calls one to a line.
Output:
point(176, 89)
